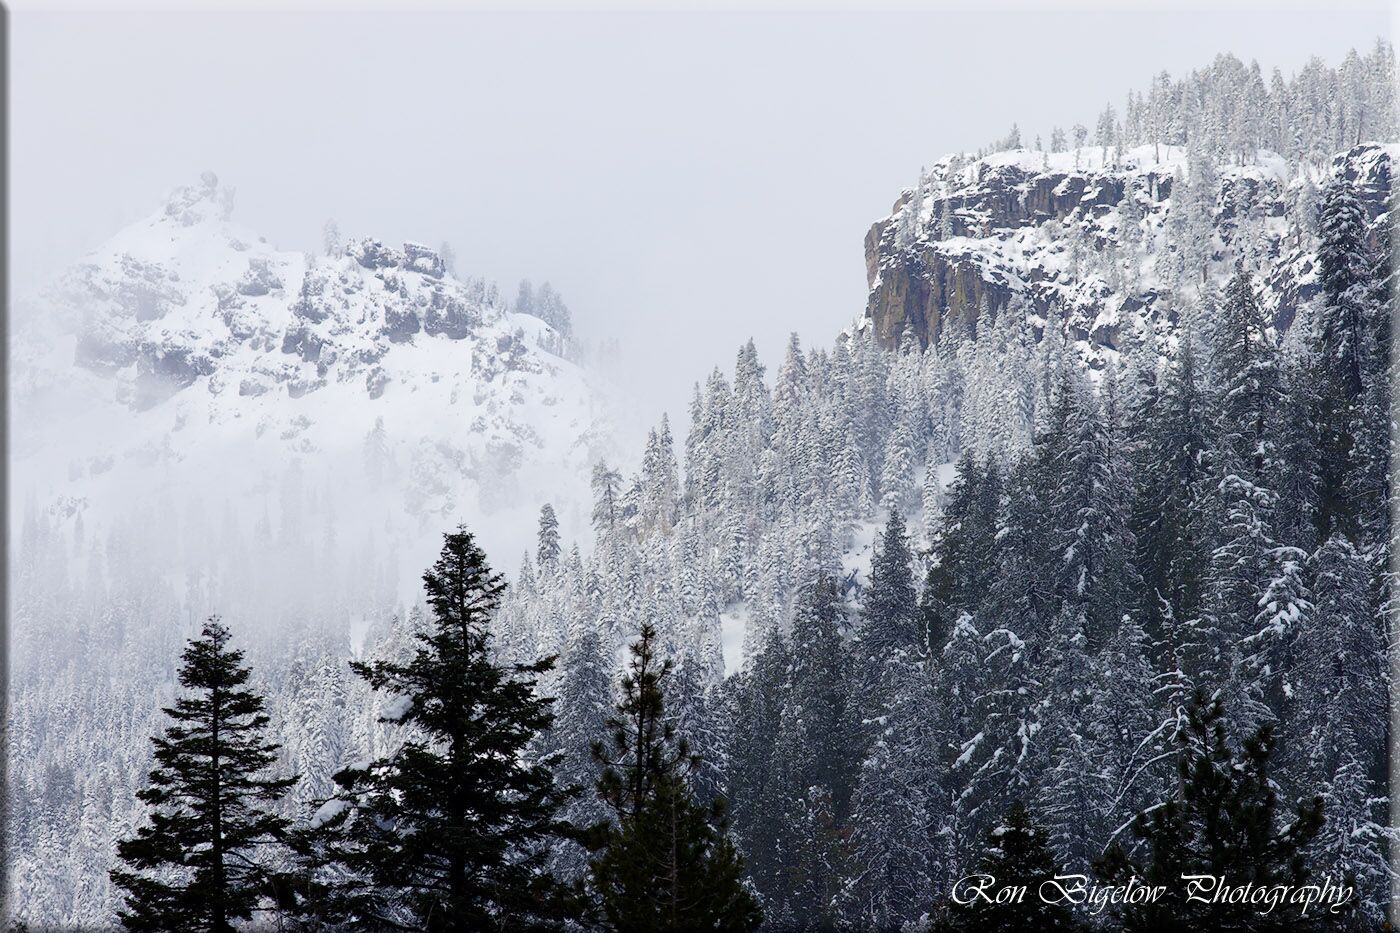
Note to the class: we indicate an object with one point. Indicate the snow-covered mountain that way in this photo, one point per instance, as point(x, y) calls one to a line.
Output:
point(187, 348)
point(1097, 238)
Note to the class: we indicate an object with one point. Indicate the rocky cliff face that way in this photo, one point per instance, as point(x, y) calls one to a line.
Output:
point(1088, 241)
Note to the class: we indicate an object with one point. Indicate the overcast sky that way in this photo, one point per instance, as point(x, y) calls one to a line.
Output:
point(685, 180)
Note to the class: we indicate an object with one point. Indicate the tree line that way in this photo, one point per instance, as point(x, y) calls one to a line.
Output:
point(453, 830)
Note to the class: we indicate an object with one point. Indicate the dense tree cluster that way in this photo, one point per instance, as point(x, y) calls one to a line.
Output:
point(452, 828)
point(1232, 110)
point(1088, 550)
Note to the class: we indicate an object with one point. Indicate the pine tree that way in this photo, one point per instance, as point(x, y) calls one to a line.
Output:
point(608, 511)
point(1168, 469)
point(966, 549)
point(1343, 272)
point(330, 238)
point(1336, 715)
point(658, 487)
point(814, 721)
point(1345, 279)
point(197, 865)
point(1371, 479)
point(1299, 436)
point(1171, 475)
point(665, 863)
point(893, 856)
point(585, 686)
point(1245, 554)
point(813, 768)
point(377, 458)
point(1223, 822)
point(450, 832)
point(1018, 856)
point(1022, 588)
point(547, 549)
point(758, 697)
point(891, 607)
point(1090, 516)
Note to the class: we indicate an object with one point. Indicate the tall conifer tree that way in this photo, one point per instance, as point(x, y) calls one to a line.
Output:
point(198, 865)
point(666, 864)
point(451, 831)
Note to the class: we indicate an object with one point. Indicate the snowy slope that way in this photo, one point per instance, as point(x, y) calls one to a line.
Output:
point(187, 355)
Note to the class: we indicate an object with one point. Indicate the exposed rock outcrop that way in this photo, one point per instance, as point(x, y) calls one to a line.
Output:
point(1092, 245)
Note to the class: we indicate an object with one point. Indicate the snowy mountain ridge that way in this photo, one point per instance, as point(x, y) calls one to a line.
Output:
point(189, 343)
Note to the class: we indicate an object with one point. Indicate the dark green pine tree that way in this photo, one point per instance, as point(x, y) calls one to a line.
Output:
point(965, 549)
point(1223, 822)
point(758, 700)
point(452, 831)
point(814, 765)
point(1090, 517)
point(814, 725)
point(1022, 587)
point(1171, 473)
point(1298, 435)
point(1344, 271)
point(1372, 478)
point(665, 864)
point(1233, 651)
point(1017, 855)
point(197, 864)
point(891, 606)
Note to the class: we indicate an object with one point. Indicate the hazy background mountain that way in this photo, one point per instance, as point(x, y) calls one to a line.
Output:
point(684, 179)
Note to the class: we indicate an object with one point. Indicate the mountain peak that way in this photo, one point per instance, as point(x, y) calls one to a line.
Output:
point(186, 337)
point(207, 200)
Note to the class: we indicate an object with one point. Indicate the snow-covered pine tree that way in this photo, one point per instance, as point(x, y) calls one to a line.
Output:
point(965, 549)
point(889, 617)
point(607, 499)
point(755, 697)
point(1244, 555)
point(1090, 512)
point(547, 547)
point(1372, 484)
point(1344, 274)
point(813, 767)
point(1333, 736)
point(1171, 476)
point(584, 704)
point(893, 857)
point(1298, 429)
